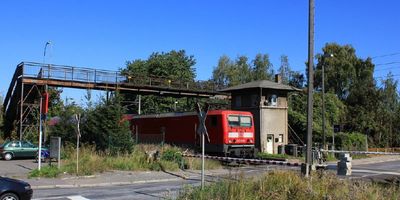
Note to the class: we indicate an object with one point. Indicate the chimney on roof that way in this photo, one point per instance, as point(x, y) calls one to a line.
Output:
point(278, 78)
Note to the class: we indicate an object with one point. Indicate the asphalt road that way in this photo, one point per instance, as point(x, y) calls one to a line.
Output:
point(384, 171)
point(162, 190)
point(17, 168)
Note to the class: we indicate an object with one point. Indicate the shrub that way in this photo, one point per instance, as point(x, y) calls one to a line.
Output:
point(351, 141)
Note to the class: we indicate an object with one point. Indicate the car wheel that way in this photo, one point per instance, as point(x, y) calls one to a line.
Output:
point(9, 196)
point(7, 156)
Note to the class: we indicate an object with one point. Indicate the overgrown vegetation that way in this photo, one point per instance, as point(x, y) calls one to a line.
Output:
point(92, 161)
point(291, 185)
point(272, 156)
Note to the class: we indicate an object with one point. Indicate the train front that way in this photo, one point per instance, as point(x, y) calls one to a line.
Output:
point(239, 134)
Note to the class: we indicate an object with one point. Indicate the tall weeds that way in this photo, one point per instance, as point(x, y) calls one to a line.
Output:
point(91, 161)
point(291, 185)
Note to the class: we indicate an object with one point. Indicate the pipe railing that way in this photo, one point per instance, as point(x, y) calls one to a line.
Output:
point(80, 74)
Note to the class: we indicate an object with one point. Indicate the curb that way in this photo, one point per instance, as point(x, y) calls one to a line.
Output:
point(102, 184)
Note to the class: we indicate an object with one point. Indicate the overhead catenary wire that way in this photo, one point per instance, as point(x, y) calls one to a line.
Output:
point(388, 68)
point(388, 63)
point(386, 55)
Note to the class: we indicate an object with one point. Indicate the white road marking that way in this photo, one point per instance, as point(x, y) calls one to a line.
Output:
point(78, 197)
point(376, 172)
point(49, 198)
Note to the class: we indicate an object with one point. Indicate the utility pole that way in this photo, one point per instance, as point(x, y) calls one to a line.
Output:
point(78, 135)
point(310, 87)
point(323, 107)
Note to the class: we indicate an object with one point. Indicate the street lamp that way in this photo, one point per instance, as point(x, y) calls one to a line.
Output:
point(323, 100)
point(44, 51)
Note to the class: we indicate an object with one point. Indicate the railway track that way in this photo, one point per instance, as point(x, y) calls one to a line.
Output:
point(246, 160)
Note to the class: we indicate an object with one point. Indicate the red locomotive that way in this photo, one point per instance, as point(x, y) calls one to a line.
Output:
point(230, 132)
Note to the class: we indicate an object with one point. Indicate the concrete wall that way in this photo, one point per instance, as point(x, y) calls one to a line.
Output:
point(274, 124)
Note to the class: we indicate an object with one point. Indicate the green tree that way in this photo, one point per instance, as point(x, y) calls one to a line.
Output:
point(340, 70)
point(284, 70)
point(66, 124)
point(262, 68)
point(387, 109)
point(221, 74)
point(297, 79)
point(243, 69)
point(105, 127)
point(175, 66)
point(335, 112)
point(228, 73)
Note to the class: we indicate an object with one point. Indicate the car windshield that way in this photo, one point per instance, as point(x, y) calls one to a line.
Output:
point(245, 121)
point(239, 120)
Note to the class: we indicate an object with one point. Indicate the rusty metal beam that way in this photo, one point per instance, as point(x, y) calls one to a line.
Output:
point(121, 87)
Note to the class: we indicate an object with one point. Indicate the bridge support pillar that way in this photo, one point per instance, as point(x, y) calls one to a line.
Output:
point(21, 108)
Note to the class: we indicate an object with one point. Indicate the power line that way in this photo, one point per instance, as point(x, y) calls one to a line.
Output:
point(382, 77)
point(388, 68)
point(386, 55)
point(388, 63)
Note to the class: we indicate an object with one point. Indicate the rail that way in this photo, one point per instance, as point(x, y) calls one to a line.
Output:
point(361, 152)
point(245, 160)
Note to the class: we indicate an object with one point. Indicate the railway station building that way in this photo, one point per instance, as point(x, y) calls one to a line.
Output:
point(267, 101)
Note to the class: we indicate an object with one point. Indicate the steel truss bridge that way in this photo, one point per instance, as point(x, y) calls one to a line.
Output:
point(30, 80)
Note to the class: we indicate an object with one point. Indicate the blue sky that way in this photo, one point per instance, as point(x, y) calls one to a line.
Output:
point(106, 34)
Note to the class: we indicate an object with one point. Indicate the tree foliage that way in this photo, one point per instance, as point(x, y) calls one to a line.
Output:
point(241, 70)
point(335, 112)
point(371, 110)
point(104, 126)
point(284, 70)
point(174, 65)
point(65, 123)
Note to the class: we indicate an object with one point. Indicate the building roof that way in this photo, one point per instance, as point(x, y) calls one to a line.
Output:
point(265, 84)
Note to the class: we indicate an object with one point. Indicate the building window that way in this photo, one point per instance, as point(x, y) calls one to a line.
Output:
point(272, 100)
point(280, 138)
point(238, 101)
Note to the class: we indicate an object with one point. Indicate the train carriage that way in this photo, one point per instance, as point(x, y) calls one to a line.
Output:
point(230, 132)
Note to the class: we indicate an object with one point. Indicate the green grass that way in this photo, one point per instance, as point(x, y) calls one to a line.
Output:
point(272, 156)
point(90, 161)
point(291, 185)
point(46, 171)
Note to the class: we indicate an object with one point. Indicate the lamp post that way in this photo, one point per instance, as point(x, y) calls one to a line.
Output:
point(44, 51)
point(323, 101)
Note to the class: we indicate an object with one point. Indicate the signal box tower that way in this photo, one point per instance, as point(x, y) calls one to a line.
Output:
point(267, 101)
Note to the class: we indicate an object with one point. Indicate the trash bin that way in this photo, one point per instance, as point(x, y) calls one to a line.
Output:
point(281, 149)
point(291, 149)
